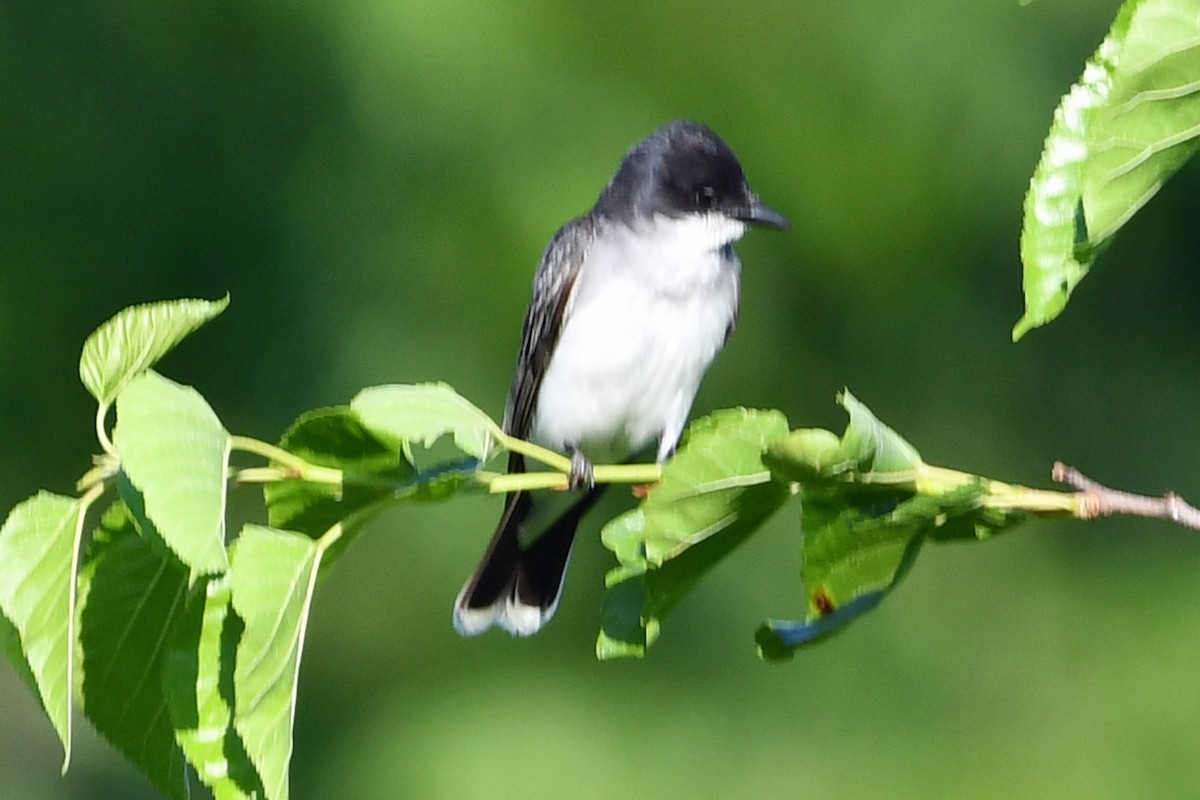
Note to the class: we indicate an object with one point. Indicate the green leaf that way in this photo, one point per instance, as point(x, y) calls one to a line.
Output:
point(334, 437)
point(868, 505)
point(874, 447)
point(38, 546)
point(135, 339)
point(10, 646)
point(375, 472)
point(131, 596)
point(856, 549)
point(808, 454)
point(423, 413)
point(1126, 127)
point(441, 482)
point(867, 448)
point(174, 451)
point(198, 677)
point(273, 577)
point(715, 492)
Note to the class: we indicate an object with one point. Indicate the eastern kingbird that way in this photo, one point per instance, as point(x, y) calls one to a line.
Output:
point(631, 302)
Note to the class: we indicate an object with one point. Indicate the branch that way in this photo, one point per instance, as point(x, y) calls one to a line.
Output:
point(1097, 500)
point(602, 473)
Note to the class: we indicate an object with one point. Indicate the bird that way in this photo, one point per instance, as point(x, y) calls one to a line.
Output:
point(631, 303)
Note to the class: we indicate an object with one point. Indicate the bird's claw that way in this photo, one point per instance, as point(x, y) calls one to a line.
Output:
point(581, 474)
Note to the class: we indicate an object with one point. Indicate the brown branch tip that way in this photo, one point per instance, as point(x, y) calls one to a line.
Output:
point(1097, 500)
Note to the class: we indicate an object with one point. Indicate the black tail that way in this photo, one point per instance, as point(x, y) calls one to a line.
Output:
point(514, 588)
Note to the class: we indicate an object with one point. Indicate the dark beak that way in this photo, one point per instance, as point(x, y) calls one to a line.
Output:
point(759, 214)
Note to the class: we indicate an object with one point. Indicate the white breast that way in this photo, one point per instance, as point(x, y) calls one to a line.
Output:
point(650, 311)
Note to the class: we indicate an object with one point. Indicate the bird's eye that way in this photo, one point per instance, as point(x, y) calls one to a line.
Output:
point(705, 196)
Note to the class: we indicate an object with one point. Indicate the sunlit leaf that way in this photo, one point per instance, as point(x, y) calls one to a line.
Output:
point(1127, 126)
point(198, 678)
point(37, 550)
point(874, 446)
point(273, 574)
point(714, 493)
point(423, 413)
point(137, 337)
point(174, 451)
point(131, 595)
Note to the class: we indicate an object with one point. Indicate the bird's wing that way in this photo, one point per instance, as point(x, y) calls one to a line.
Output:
point(503, 589)
point(553, 291)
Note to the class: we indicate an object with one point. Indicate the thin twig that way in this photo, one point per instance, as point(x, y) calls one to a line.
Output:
point(1100, 501)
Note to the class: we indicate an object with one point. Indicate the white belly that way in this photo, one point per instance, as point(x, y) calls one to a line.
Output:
point(632, 353)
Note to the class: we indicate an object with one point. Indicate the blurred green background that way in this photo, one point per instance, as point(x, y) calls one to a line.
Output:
point(373, 182)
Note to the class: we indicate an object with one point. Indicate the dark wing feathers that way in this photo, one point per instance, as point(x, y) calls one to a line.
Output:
point(553, 287)
point(503, 567)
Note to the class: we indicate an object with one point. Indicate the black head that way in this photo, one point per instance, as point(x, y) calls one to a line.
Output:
point(683, 168)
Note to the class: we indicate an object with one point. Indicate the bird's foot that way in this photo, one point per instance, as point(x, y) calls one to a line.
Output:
point(581, 475)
